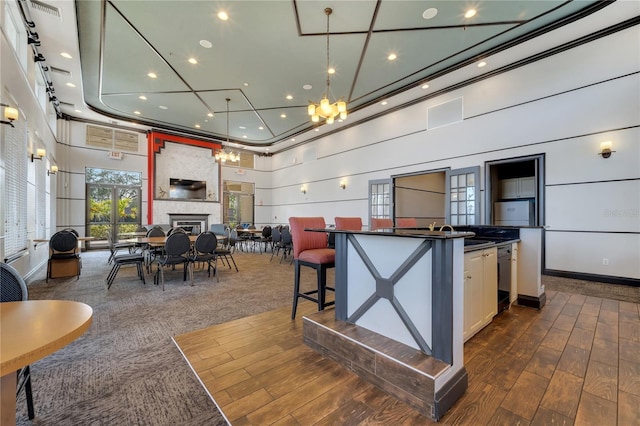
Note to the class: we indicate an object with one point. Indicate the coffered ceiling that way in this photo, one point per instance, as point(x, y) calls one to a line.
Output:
point(269, 57)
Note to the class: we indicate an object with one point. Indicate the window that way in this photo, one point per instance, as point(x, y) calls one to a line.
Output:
point(380, 198)
point(463, 196)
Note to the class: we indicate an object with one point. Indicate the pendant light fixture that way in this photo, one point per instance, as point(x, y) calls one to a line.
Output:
point(325, 109)
point(225, 154)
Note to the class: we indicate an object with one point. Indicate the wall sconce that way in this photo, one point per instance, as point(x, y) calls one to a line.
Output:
point(343, 184)
point(53, 171)
point(10, 114)
point(605, 149)
point(303, 189)
point(40, 153)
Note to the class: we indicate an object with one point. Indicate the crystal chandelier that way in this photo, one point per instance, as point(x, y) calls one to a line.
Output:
point(225, 154)
point(325, 109)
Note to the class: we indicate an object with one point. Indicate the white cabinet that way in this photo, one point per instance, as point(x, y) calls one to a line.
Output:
point(524, 187)
point(480, 290)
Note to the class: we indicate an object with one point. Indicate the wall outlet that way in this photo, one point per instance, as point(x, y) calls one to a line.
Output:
point(605, 262)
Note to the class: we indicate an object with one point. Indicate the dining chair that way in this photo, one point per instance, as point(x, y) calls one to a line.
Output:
point(265, 237)
point(14, 289)
point(286, 243)
point(226, 252)
point(175, 252)
point(204, 250)
point(348, 223)
point(63, 246)
point(310, 249)
point(406, 222)
point(115, 247)
point(275, 240)
point(379, 223)
point(137, 259)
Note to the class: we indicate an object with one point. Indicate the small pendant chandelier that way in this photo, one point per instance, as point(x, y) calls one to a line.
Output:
point(325, 109)
point(225, 154)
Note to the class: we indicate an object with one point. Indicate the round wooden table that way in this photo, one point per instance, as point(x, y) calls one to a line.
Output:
point(31, 330)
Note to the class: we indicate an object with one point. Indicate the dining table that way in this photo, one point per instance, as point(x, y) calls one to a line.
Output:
point(31, 330)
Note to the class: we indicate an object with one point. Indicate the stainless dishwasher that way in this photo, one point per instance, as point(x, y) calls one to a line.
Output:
point(504, 277)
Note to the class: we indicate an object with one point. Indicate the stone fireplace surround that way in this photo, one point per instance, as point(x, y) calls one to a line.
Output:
point(192, 223)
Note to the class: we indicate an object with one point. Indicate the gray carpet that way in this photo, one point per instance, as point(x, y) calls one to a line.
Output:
point(126, 370)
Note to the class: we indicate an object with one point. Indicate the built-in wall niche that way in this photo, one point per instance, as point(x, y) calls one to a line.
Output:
point(187, 173)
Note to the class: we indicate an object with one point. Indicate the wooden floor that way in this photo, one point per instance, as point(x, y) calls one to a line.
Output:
point(576, 361)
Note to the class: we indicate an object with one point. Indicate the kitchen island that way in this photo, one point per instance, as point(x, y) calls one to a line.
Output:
point(398, 318)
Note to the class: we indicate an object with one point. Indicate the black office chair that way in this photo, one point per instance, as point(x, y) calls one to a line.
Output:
point(176, 251)
point(14, 289)
point(63, 246)
point(205, 251)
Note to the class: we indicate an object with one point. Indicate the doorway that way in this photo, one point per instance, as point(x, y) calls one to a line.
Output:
point(113, 204)
point(515, 181)
point(238, 203)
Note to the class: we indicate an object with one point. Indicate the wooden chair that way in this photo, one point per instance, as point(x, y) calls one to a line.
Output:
point(406, 222)
point(310, 249)
point(378, 223)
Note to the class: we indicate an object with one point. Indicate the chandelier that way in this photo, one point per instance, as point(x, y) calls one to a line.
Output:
point(325, 109)
point(225, 154)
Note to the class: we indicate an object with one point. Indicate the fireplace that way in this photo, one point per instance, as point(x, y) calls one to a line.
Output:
point(192, 223)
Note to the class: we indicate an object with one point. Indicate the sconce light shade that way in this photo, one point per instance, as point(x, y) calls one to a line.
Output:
point(40, 152)
point(10, 114)
point(343, 184)
point(303, 189)
point(606, 149)
point(53, 171)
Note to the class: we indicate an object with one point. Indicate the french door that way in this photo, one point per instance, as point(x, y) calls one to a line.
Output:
point(112, 209)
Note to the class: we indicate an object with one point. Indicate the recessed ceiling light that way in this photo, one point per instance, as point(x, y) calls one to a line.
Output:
point(244, 136)
point(78, 111)
point(241, 127)
point(470, 13)
point(143, 97)
point(293, 139)
point(193, 61)
point(210, 114)
point(429, 13)
point(222, 15)
point(425, 86)
point(206, 44)
point(307, 87)
point(392, 57)
point(331, 70)
point(383, 103)
point(71, 84)
point(136, 112)
point(197, 126)
point(316, 129)
point(481, 64)
point(260, 128)
point(162, 107)
point(152, 75)
point(246, 84)
point(283, 115)
point(289, 97)
point(65, 55)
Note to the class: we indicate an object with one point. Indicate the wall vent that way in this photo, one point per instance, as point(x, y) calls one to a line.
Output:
point(60, 71)
point(46, 8)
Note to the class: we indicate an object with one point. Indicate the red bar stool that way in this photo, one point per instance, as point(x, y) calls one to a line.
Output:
point(378, 223)
point(310, 249)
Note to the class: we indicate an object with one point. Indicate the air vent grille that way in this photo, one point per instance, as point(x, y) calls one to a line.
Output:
point(46, 8)
point(60, 71)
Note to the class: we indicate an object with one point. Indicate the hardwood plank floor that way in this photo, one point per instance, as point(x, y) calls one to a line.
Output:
point(576, 361)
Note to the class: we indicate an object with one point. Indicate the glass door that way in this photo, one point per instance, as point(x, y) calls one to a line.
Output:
point(112, 209)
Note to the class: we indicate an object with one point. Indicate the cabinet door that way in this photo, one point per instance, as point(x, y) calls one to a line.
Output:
point(473, 291)
point(509, 188)
point(490, 284)
point(527, 187)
